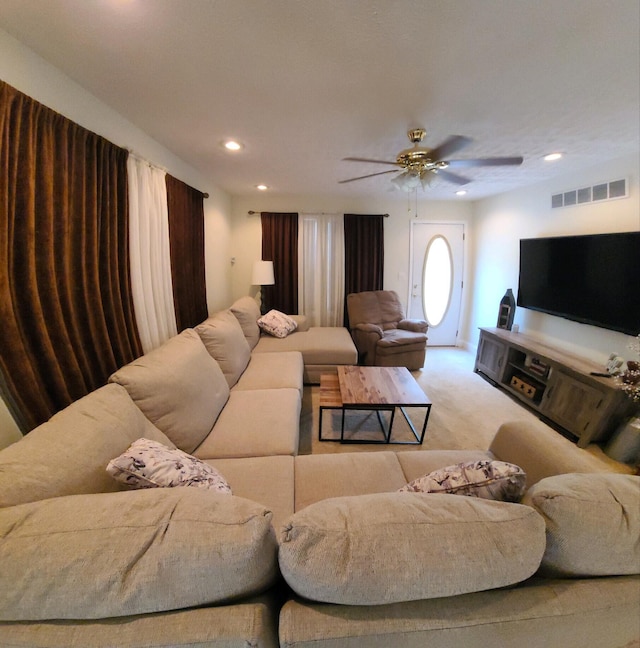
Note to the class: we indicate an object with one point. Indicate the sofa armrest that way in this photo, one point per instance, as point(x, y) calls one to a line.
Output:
point(415, 325)
point(542, 452)
point(301, 321)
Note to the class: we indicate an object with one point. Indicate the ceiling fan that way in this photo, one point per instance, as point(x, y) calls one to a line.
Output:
point(420, 164)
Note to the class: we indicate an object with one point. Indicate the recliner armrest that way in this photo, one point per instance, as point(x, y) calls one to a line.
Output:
point(416, 325)
point(368, 328)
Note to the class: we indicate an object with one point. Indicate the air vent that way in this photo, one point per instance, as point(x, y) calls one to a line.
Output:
point(597, 193)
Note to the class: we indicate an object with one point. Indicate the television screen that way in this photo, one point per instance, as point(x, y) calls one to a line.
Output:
point(593, 279)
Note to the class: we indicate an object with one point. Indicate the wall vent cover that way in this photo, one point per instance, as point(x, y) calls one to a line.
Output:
point(597, 193)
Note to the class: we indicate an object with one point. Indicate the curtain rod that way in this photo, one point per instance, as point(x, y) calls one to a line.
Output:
point(251, 212)
point(155, 166)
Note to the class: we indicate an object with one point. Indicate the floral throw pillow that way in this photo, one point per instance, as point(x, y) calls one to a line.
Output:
point(494, 480)
point(149, 464)
point(277, 324)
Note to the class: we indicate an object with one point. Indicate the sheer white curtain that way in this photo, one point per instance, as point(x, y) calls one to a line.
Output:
point(151, 283)
point(321, 268)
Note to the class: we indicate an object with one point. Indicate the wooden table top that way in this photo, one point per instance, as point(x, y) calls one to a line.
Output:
point(379, 386)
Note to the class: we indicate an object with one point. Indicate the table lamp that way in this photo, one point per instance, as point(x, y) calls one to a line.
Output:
point(262, 275)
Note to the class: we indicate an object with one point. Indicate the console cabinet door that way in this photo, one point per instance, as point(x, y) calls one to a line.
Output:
point(491, 357)
point(572, 403)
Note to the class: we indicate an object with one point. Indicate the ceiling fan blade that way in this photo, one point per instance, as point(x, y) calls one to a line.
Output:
point(357, 159)
point(370, 175)
point(450, 145)
point(452, 177)
point(482, 162)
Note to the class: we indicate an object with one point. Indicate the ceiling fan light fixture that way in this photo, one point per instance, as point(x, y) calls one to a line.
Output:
point(411, 180)
point(552, 157)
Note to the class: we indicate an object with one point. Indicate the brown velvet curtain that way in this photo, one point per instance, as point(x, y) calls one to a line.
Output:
point(280, 245)
point(65, 303)
point(186, 242)
point(363, 254)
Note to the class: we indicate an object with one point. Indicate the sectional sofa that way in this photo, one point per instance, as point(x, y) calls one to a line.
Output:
point(309, 551)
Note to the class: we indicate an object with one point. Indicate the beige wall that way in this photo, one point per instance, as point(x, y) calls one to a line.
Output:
point(500, 222)
point(247, 235)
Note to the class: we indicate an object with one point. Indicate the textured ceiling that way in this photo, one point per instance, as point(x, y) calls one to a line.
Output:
point(305, 83)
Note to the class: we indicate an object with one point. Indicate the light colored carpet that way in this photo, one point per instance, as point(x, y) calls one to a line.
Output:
point(466, 413)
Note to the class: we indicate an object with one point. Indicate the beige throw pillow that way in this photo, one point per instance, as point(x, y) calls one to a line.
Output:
point(247, 312)
point(67, 454)
point(224, 340)
point(179, 387)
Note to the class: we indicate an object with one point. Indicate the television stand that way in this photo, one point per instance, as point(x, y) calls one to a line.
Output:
point(561, 387)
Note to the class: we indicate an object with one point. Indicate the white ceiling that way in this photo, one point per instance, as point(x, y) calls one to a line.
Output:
point(305, 83)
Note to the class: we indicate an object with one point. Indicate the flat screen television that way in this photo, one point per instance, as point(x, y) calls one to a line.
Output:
point(593, 279)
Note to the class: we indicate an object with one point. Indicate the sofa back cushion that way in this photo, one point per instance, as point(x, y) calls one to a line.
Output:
point(69, 453)
point(395, 547)
point(247, 311)
point(119, 554)
point(179, 387)
point(224, 339)
point(593, 524)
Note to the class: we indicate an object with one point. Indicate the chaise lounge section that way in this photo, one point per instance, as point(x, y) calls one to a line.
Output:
point(323, 348)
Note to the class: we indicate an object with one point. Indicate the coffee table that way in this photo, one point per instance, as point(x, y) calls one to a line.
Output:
point(379, 389)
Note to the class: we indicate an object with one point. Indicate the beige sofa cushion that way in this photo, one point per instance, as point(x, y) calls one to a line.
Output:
point(223, 338)
point(539, 613)
point(320, 345)
point(392, 547)
point(266, 480)
point(68, 454)
point(256, 423)
point(247, 311)
point(179, 387)
point(251, 622)
point(132, 553)
point(273, 371)
point(593, 523)
point(322, 476)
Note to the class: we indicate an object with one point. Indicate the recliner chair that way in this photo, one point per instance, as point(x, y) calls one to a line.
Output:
point(382, 335)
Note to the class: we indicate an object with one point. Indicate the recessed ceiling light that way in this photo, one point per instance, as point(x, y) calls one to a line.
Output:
point(262, 187)
point(552, 157)
point(461, 192)
point(232, 145)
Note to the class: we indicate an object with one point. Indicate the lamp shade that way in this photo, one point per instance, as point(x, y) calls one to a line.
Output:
point(262, 274)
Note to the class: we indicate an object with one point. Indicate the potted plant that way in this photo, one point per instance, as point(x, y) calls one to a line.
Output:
point(625, 442)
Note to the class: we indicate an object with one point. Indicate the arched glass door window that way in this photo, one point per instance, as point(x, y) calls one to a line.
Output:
point(437, 280)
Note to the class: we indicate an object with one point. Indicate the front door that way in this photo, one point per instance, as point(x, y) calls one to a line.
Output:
point(436, 279)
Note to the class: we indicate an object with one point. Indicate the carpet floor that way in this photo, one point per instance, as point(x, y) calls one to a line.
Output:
point(466, 412)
